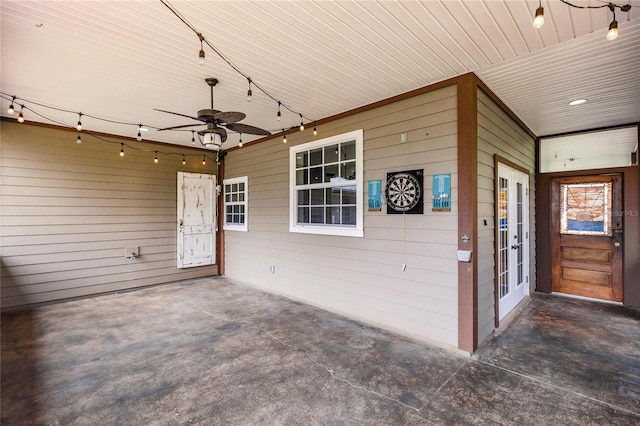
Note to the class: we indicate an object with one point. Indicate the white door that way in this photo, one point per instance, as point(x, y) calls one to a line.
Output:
point(513, 238)
point(196, 219)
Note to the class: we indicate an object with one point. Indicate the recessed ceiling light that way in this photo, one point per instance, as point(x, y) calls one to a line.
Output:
point(577, 102)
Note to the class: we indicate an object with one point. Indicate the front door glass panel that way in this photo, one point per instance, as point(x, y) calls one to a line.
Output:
point(585, 208)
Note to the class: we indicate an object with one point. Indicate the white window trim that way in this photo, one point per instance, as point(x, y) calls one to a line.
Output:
point(235, 226)
point(307, 228)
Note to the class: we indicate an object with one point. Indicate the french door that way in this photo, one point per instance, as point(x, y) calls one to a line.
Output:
point(512, 224)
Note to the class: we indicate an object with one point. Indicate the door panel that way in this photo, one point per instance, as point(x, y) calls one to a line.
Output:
point(196, 219)
point(512, 237)
point(586, 236)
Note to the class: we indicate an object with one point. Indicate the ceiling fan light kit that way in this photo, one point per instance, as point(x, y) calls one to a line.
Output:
point(612, 34)
point(218, 122)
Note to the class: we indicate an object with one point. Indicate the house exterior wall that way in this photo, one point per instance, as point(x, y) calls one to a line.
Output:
point(68, 212)
point(498, 134)
point(360, 277)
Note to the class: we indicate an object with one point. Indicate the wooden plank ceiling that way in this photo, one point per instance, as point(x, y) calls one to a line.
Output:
point(120, 60)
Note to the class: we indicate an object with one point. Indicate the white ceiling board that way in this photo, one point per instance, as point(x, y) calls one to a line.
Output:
point(120, 60)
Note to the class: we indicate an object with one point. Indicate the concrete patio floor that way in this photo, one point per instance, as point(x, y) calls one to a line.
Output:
point(214, 352)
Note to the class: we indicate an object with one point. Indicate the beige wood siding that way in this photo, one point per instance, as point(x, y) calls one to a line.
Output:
point(68, 211)
point(498, 134)
point(360, 277)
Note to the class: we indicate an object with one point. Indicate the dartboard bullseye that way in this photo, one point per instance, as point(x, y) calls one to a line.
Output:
point(403, 192)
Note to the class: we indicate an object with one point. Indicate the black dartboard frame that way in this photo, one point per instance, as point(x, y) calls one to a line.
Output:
point(404, 192)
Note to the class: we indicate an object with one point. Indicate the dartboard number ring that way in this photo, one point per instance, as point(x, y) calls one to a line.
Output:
point(403, 192)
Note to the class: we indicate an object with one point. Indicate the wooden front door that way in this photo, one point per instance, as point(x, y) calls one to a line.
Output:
point(586, 240)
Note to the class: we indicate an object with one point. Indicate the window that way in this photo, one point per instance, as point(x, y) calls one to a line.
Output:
point(235, 204)
point(326, 186)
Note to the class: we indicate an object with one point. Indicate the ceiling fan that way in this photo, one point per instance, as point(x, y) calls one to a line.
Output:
point(215, 134)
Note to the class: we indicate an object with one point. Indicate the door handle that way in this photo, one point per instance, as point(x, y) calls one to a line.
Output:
point(515, 247)
point(181, 223)
point(617, 245)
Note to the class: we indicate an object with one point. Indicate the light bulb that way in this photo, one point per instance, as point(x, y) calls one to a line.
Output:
point(139, 137)
point(240, 142)
point(613, 30)
point(121, 150)
point(249, 93)
point(11, 109)
point(284, 137)
point(315, 131)
point(279, 113)
point(20, 117)
point(193, 137)
point(79, 140)
point(538, 22)
point(79, 125)
point(184, 161)
point(301, 124)
point(155, 160)
point(204, 160)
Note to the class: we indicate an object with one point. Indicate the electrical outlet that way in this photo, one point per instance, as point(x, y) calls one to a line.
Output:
point(403, 137)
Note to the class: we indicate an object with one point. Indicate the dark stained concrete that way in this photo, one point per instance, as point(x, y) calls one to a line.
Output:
point(213, 352)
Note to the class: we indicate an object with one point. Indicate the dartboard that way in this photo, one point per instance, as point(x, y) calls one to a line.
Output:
point(403, 192)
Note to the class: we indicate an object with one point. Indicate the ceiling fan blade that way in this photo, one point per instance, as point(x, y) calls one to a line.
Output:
point(247, 129)
point(177, 113)
point(230, 116)
point(180, 127)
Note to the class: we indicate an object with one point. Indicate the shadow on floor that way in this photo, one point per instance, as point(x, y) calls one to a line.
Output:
point(213, 352)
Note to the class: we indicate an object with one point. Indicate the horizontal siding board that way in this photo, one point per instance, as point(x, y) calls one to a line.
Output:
point(69, 211)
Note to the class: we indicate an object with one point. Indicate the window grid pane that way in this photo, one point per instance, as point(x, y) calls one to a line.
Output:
point(325, 185)
point(235, 198)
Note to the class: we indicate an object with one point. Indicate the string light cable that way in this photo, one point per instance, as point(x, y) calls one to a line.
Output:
point(252, 82)
point(79, 140)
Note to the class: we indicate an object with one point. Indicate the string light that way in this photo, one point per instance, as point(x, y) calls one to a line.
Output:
point(315, 130)
point(204, 160)
point(612, 34)
point(226, 59)
point(184, 160)
point(20, 116)
point(538, 22)
point(284, 137)
point(11, 109)
point(79, 140)
point(79, 125)
point(201, 59)
point(139, 137)
point(240, 141)
point(155, 160)
point(121, 150)
point(301, 124)
point(193, 137)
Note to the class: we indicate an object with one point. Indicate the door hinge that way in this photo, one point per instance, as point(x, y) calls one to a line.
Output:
point(526, 279)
